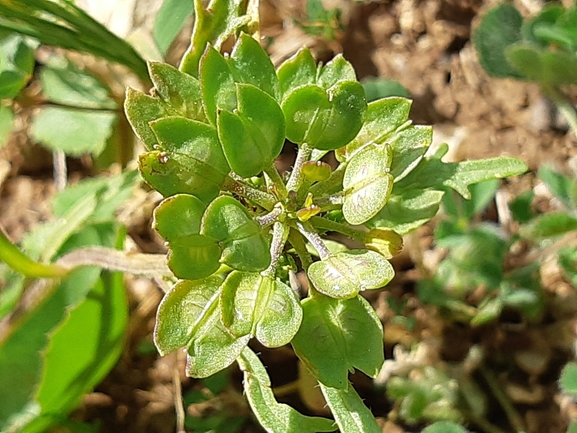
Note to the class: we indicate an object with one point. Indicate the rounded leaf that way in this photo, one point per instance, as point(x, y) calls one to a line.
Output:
point(343, 275)
point(337, 70)
point(367, 184)
point(299, 70)
point(181, 311)
point(194, 256)
point(244, 246)
point(177, 216)
point(217, 83)
point(140, 110)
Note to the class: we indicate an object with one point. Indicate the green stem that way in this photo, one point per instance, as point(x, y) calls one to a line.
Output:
point(261, 198)
point(295, 179)
point(345, 229)
point(564, 106)
point(512, 415)
point(17, 260)
point(280, 234)
point(277, 180)
point(308, 231)
point(298, 243)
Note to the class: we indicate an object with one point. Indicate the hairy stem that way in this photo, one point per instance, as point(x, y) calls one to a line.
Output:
point(280, 233)
point(308, 231)
point(295, 179)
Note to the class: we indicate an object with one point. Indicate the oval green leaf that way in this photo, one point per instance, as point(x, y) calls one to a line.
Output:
point(180, 313)
point(140, 110)
point(244, 246)
point(367, 184)
point(299, 70)
point(177, 216)
point(343, 275)
point(217, 83)
point(194, 256)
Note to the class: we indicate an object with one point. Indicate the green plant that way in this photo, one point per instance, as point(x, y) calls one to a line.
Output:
point(237, 229)
point(542, 49)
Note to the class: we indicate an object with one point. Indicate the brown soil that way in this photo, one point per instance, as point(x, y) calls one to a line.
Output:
point(426, 46)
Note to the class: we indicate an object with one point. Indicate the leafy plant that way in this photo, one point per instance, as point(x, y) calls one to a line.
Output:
point(237, 229)
point(542, 49)
point(213, 130)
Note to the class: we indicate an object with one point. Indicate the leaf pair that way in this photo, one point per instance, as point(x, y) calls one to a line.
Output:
point(200, 238)
point(216, 319)
point(323, 107)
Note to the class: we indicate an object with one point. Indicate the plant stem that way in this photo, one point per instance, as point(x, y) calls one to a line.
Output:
point(280, 233)
point(563, 105)
point(271, 217)
point(308, 231)
point(345, 229)
point(298, 243)
point(17, 260)
point(512, 415)
point(295, 178)
point(277, 180)
point(261, 198)
point(114, 260)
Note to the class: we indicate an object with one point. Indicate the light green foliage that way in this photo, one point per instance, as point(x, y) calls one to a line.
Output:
point(16, 64)
point(169, 21)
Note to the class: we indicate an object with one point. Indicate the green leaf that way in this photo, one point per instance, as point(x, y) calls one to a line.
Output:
point(142, 109)
point(75, 132)
point(463, 210)
point(21, 357)
point(181, 92)
point(499, 29)
point(299, 70)
point(262, 307)
point(367, 184)
point(548, 68)
point(336, 71)
point(382, 119)
point(326, 120)
point(407, 211)
point(179, 215)
point(568, 262)
point(558, 184)
point(521, 207)
point(217, 83)
point(434, 173)
point(379, 88)
point(97, 326)
point(409, 145)
point(182, 311)
point(169, 21)
point(6, 123)
point(66, 84)
point(216, 24)
point(250, 64)
point(343, 275)
point(194, 256)
point(337, 335)
point(189, 159)
point(445, 427)
point(549, 225)
point(243, 244)
point(252, 136)
point(274, 417)
point(16, 64)
point(351, 414)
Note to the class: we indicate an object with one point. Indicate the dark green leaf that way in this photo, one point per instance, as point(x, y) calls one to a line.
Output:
point(217, 83)
point(351, 414)
point(252, 136)
point(177, 216)
point(521, 207)
point(250, 64)
point(75, 132)
point(243, 244)
point(338, 335)
point(549, 68)
point(169, 21)
point(273, 416)
point(499, 29)
point(379, 88)
point(194, 256)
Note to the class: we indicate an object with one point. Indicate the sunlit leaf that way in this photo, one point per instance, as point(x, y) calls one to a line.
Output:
point(169, 21)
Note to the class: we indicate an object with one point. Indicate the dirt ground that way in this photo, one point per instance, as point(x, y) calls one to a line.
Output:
point(426, 46)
